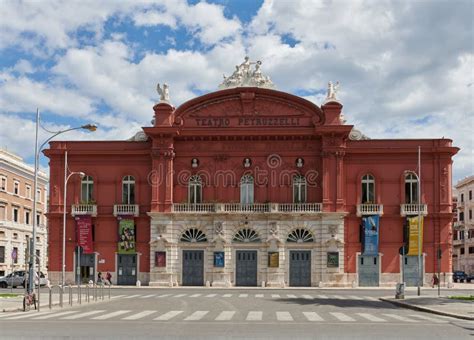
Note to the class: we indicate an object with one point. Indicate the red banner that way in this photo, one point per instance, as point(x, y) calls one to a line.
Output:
point(84, 233)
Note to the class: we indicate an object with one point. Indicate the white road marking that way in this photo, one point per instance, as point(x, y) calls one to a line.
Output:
point(340, 297)
point(427, 318)
point(225, 316)
point(24, 316)
point(116, 296)
point(132, 296)
point(211, 295)
point(4, 315)
point(82, 315)
point(399, 318)
point(254, 316)
point(275, 296)
point(312, 316)
point(169, 315)
point(49, 316)
point(353, 297)
point(243, 295)
point(162, 296)
point(342, 317)
point(371, 317)
point(139, 315)
point(259, 295)
point(227, 295)
point(198, 315)
point(322, 296)
point(307, 297)
point(195, 295)
point(111, 315)
point(179, 295)
point(370, 298)
point(291, 296)
point(284, 316)
point(147, 296)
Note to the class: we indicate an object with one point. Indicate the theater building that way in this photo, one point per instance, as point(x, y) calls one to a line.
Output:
point(250, 186)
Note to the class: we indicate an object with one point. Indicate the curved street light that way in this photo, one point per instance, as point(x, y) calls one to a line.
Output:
point(89, 127)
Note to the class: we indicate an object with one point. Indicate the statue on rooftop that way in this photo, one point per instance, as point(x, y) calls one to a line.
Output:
point(245, 76)
point(163, 92)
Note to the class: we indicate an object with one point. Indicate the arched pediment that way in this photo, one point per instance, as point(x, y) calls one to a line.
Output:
point(248, 107)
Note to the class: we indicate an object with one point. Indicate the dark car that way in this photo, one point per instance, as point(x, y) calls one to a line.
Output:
point(470, 278)
point(459, 276)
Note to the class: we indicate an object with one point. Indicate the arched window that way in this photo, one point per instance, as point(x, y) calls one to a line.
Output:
point(195, 189)
point(246, 189)
point(368, 189)
point(128, 190)
point(193, 235)
point(300, 236)
point(411, 188)
point(246, 235)
point(87, 188)
point(299, 189)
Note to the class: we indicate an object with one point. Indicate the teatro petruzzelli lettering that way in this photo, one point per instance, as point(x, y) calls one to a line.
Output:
point(247, 121)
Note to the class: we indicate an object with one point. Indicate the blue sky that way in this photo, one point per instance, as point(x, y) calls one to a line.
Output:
point(405, 67)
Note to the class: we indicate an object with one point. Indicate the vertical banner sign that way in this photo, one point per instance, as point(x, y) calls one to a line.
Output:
point(126, 243)
point(413, 235)
point(371, 235)
point(84, 233)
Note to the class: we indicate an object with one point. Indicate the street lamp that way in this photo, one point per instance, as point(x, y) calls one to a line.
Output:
point(89, 127)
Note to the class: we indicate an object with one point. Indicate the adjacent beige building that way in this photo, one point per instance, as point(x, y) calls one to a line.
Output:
point(16, 213)
point(463, 231)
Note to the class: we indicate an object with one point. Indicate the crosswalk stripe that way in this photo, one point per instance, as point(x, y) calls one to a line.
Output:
point(111, 315)
point(254, 316)
point(284, 316)
point(339, 297)
point(24, 316)
point(399, 318)
point(139, 315)
point(371, 317)
point(342, 317)
point(4, 315)
point(195, 295)
point(227, 295)
point(243, 295)
point(115, 297)
point(370, 298)
point(179, 295)
point(169, 315)
point(53, 315)
point(82, 315)
point(427, 318)
point(312, 316)
point(132, 296)
point(198, 315)
point(353, 297)
point(225, 316)
point(211, 295)
point(259, 295)
point(291, 296)
point(275, 296)
point(163, 295)
point(147, 296)
point(307, 297)
point(322, 296)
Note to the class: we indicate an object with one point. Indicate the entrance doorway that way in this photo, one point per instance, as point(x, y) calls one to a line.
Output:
point(246, 268)
point(300, 268)
point(368, 271)
point(127, 269)
point(85, 266)
point(193, 268)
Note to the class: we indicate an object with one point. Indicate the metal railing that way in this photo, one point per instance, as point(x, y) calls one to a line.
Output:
point(98, 293)
point(126, 209)
point(299, 207)
point(247, 207)
point(84, 209)
point(194, 207)
point(369, 209)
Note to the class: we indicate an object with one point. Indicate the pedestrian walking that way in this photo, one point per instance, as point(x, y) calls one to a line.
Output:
point(434, 281)
point(99, 278)
point(108, 278)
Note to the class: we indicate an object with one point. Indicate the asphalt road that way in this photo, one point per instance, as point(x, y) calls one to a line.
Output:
point(194, 313)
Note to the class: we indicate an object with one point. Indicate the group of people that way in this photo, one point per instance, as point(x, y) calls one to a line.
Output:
point(107, 280)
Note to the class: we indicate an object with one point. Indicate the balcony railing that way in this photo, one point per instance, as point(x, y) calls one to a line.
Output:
point(369, 209)
point(126, 209)
point(413, 209)
point(458, 224)
point(84, 209)
point(247, 208)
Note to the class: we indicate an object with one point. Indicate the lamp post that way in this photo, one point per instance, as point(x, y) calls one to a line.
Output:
point(66, 179)
point(90, 127)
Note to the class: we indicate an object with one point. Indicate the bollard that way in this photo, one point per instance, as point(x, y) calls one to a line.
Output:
point(50, 298)
point(102, 291)
point(70, 295)
point(79, 294)
point(61, 292)
point(88, 293)
point(109, 289)
point(95, 292)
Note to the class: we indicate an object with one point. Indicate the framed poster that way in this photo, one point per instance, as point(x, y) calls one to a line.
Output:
point(160, 258)
point(273, 259)
point(333, 259)
point(219, 259)
point(126, 244)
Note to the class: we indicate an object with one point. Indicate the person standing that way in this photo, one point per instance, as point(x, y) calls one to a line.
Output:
point(108, 278)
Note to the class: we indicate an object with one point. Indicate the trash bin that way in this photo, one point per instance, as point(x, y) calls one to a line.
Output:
point(400, 293)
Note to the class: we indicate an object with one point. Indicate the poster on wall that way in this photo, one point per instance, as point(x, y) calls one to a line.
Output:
point(126, 243)
point(219, 259)
point(333, 259)
point(84, 233)
point(160, 259)
point(273, 260)
point(370, 241)
point(413, 235)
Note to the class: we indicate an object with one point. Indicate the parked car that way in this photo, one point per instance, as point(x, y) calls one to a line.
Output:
point(459, 276)
point(17, 278)
point(470, 278)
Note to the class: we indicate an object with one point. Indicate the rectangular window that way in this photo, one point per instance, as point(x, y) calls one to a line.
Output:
point(38, 195)
point(3, 183)
point(15, 215)
point(471, 250)
point(38, 219)
point(38, 253)
point(462, 251)
point(2, 254)
point(461, 234)
point(470, 214)
point(462, 198)
point(27, 217)
point(15, 255)
point(455, 236)
point(461, 216)
point(470, 195)
point(16, 188)
point(28, 192)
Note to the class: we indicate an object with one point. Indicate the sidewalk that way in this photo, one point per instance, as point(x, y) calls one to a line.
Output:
point(460, 309)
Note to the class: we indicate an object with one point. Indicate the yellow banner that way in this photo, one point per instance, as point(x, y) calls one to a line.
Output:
point(413, 235)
